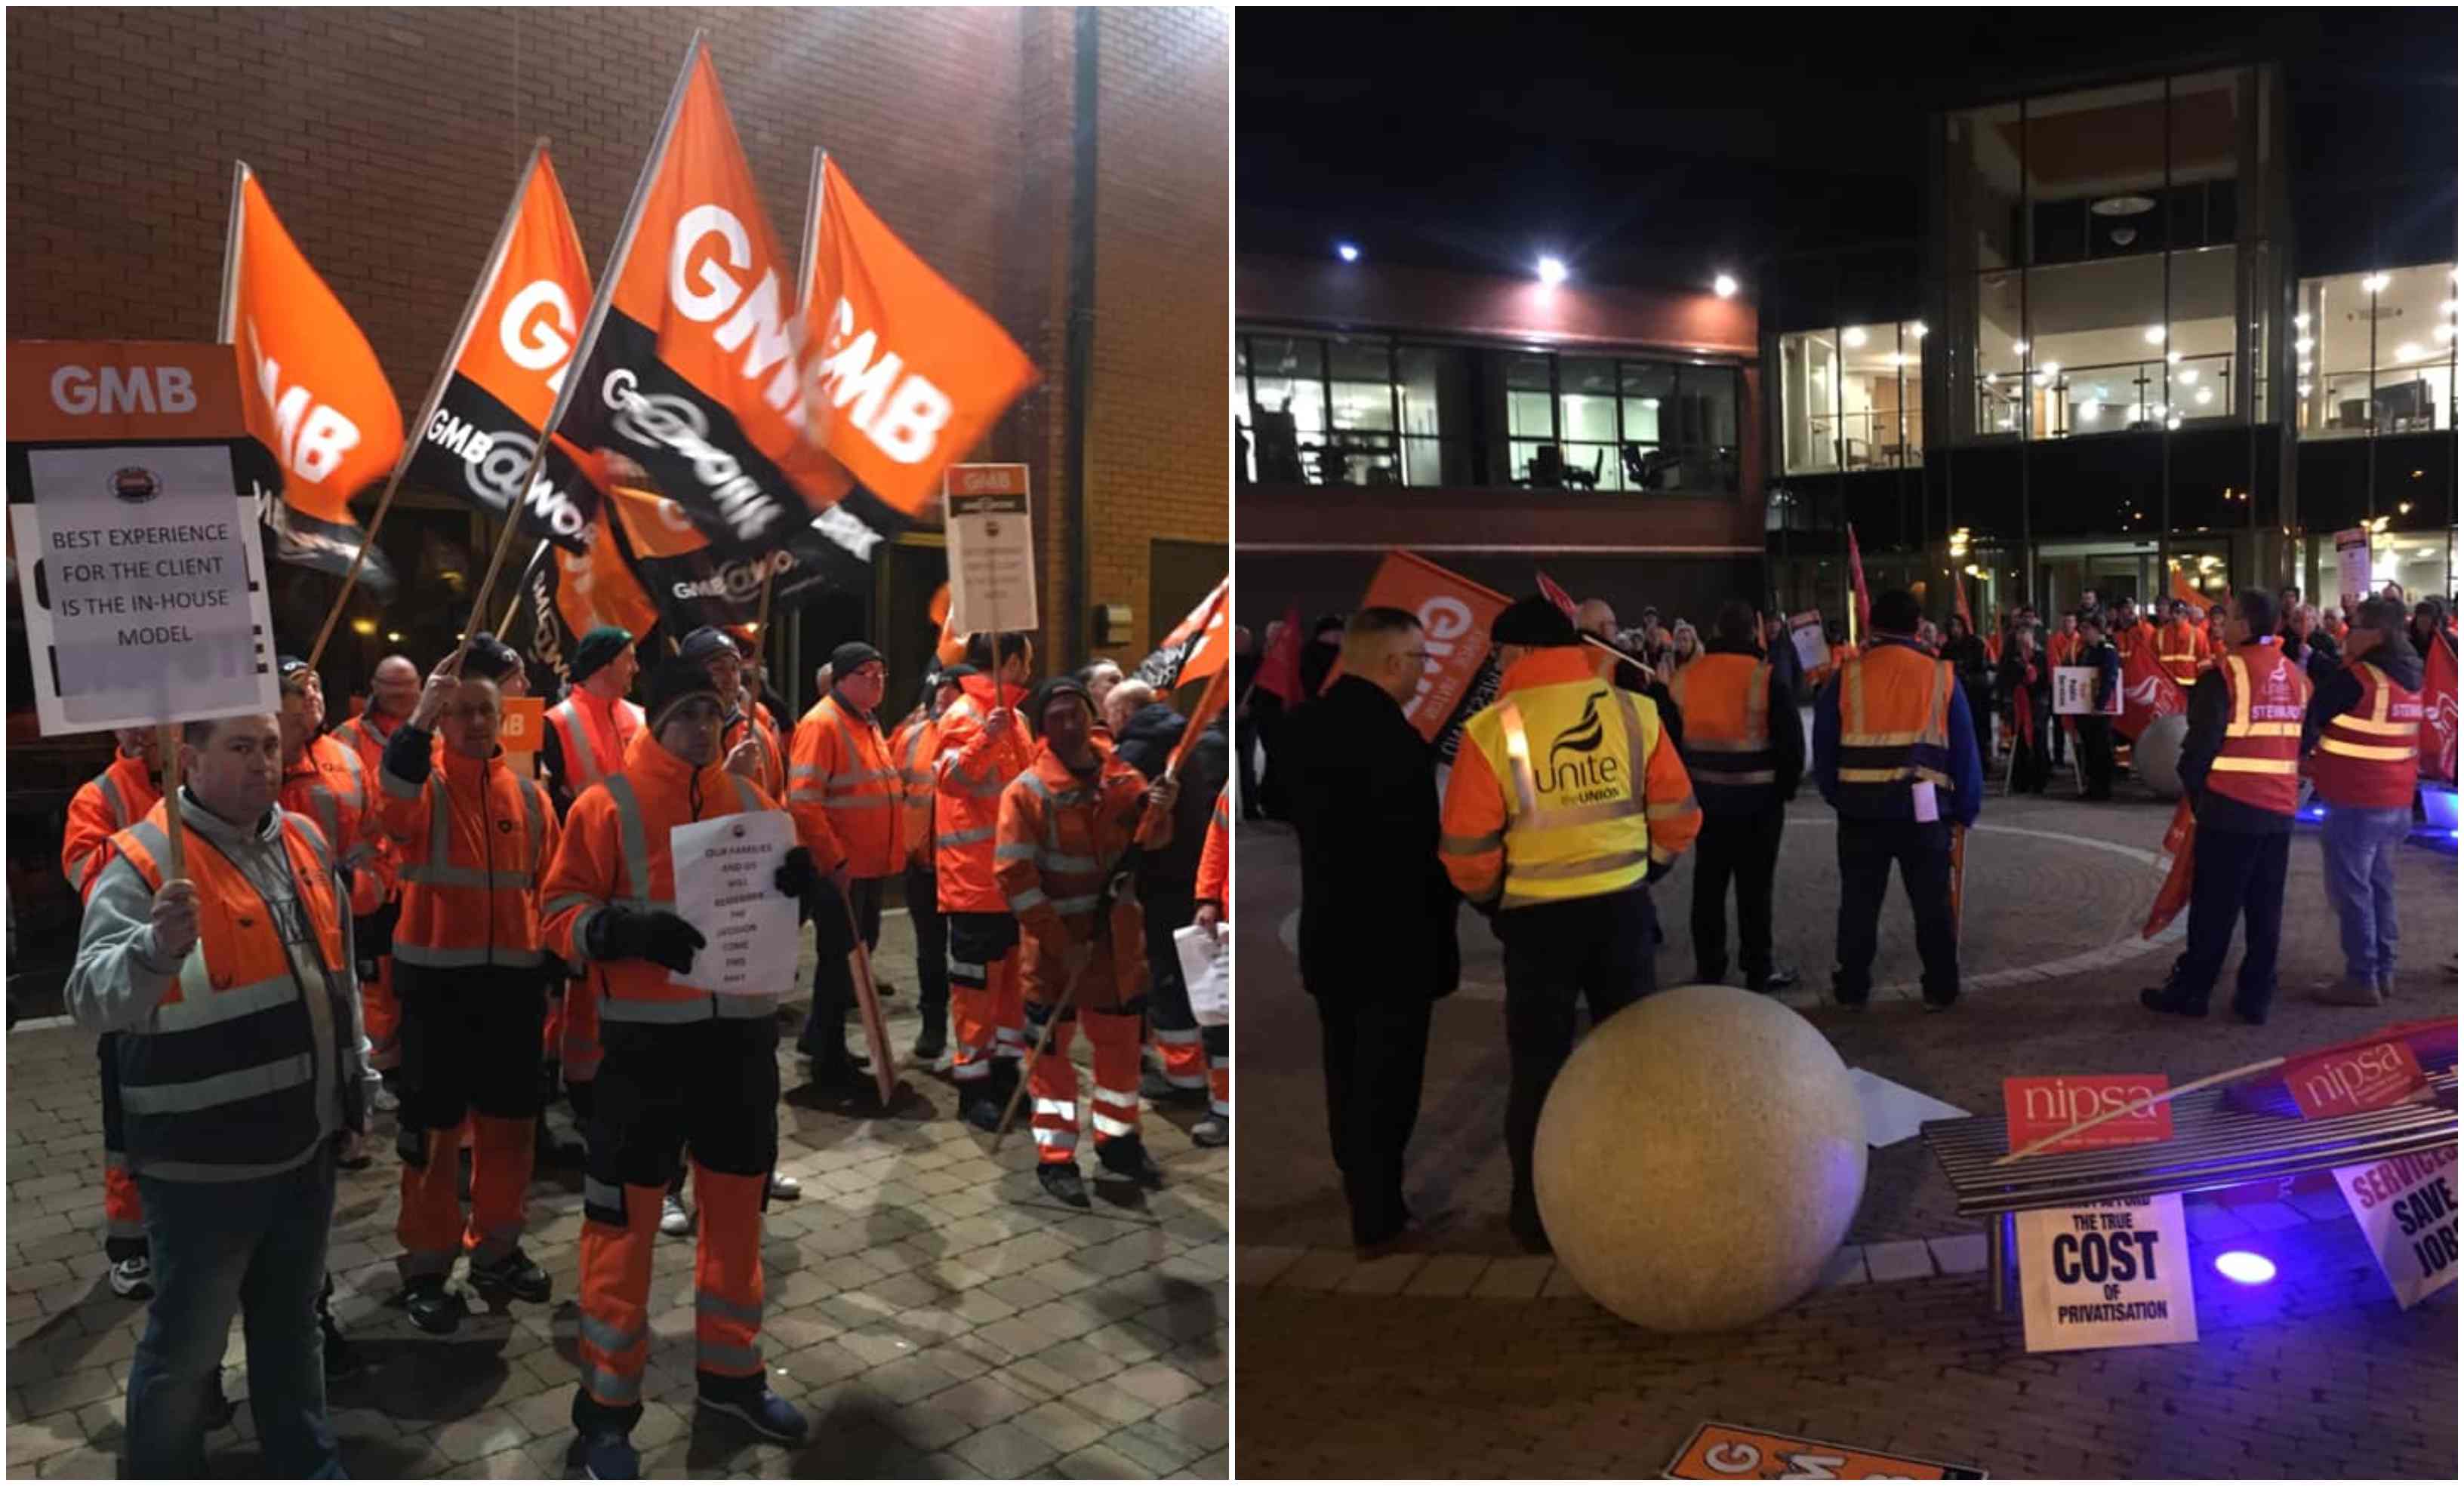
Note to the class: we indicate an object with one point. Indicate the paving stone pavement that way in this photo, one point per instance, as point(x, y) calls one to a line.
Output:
point(927, 1307)
point(1464, 1359)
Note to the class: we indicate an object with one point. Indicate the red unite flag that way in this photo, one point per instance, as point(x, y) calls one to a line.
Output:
point(2147, 693)
point(2175, 893)
point(1280, 671)
point(1864, 601)
point(1557, 595)
point(2438, 712)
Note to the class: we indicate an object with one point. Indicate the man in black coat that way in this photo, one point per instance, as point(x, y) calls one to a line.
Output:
point(1167, 889)
point(1377, 913)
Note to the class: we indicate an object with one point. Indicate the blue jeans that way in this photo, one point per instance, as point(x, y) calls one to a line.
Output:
point(2358, 849)
point(257, 1248)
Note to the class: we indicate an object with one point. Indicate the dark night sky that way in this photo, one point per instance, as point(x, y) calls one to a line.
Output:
point(1651, 146)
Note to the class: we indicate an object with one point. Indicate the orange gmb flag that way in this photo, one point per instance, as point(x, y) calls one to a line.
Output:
point(908, 374)
point(314, 398)
point(1199, 646)
point(949, 649)
point(696, 371)
point(508, 360)
point(569, 593)
point(1455, 614)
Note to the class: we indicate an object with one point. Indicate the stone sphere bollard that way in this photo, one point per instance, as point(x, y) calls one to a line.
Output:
point(2156, 757)
point(1699, 1159)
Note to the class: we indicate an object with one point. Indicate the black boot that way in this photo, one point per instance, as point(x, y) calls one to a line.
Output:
point(432, 1307)
point(1126, 1155)
point(514, 1275)
point(1061, 1179)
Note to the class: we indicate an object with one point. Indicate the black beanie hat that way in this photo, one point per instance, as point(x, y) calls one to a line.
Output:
point(597, 648)
point(677, 679)
point(490, 659)
point(706, 645)
point(848, 657)
point(1532, 622)
point(1058, 686)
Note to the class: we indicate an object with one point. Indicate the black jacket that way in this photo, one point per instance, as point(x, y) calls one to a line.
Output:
point(1168, 877)
point(1631, 677)
point(1968, 661)
point(2107, 662)
point(1377, 912)
point(2337, 691)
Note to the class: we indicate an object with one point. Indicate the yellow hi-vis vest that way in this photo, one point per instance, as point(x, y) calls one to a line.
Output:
point(1571, 758)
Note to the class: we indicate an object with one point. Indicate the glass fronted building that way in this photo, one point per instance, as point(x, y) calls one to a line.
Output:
point(2109, 366)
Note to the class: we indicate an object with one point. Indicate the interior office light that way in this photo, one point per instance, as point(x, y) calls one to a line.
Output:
point(1349, 252)
point(1553, 271)
point(1725, 286)
point(2154, 334)
point(2375, 284)
point(1852, 336)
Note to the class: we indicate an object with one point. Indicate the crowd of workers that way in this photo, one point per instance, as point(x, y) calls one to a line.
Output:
point(399, 916)
point(1606, 755)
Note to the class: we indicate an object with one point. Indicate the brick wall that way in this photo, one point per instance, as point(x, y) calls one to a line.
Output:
point(389, 141)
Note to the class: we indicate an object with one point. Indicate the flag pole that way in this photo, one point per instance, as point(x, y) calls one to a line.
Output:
point(514, 606)
point(225, 317)
point(436, 394)
point(600, 304)
point(172, 827)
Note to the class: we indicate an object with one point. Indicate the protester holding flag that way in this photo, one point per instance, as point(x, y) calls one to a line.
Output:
point(231, 990)
point(845, 790)
point(1066, 824)
point(914, 747)
point(589, 733)
point(983, 747)
point(2240, 765)
point(1969, 663)
point(1569, 890)
point(1895, 753)
point(1377, 945)
point(2363, 723)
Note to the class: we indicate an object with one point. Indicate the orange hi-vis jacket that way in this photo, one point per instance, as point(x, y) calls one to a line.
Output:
point(972, 770)
point(1215, 857)
point(913, 748)
point(774, 756)
point(2369, 755)
point(225, 1075)
point(844, 773)
point(2062, 649)
point(366, 737)
point(2260, 763)
point(1726, 701)
point(329, 786)
point(615, 852)
point(1061, 838)
point(474, 838)
point(593, 737)
point(111, 801)
point(1565, 787)
point(2178, 652)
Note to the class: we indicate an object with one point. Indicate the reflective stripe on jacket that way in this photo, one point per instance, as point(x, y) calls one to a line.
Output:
point(1725, 700)
point(110, 803)
point(1566, 787)
point(2178, 652)
point(616, 852)
point(1060, 836)
point(1894, 730)
point(1214, 858)
point(474, 838)
point(969, 774)
point(592, 736)
point(2260, 760)
point(2369, 755)
point(913, 747)
point(841, 770)
point(228, 1076)
point(329, 786)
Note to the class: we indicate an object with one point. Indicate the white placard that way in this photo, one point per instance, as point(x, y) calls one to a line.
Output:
point(992, 554)
point(2075, 693)
point(138, 568)
point(2111, 1273)
point(1206, 970)
point(2353, 564)
point(723, 887)
point(2407, 1209)
point(1805, 632)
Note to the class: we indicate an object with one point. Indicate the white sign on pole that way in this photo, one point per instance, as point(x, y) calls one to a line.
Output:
point(2353, 563)
point(2075, 693)
point(2111, 1273)
point(992, 557)
point(142, 597)
point(723, 887)
point(2407, 1208)
point(1805, 633)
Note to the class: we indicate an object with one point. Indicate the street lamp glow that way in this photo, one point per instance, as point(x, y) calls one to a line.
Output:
point(1725, 286)
point(2243, 1267)
point(1553, 271)
point(1347, 253)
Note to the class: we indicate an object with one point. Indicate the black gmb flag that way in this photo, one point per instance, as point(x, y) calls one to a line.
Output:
point(693, 581)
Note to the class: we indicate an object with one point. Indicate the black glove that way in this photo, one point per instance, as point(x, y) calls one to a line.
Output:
point(660, 937)
point(797, 875)
point(579, 1096)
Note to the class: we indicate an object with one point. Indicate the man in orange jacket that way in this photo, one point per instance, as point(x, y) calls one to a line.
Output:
point(1568, 798)
point(588, 732)
point(844, 785)
point(913, 747)
point(472, 976)
point(112, 801)
point(393, 691)
point(983, 747)
point(1214, 906)
point(674, 1066)
point(324, 780)
point(1066, 825)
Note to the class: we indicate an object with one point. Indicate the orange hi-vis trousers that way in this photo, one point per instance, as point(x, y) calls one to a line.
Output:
point(1185, 1057)
point(1219, 1072)
point(714, 1085)
point(987, 1001)
point(1112, 1103)
point(431, 1228)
